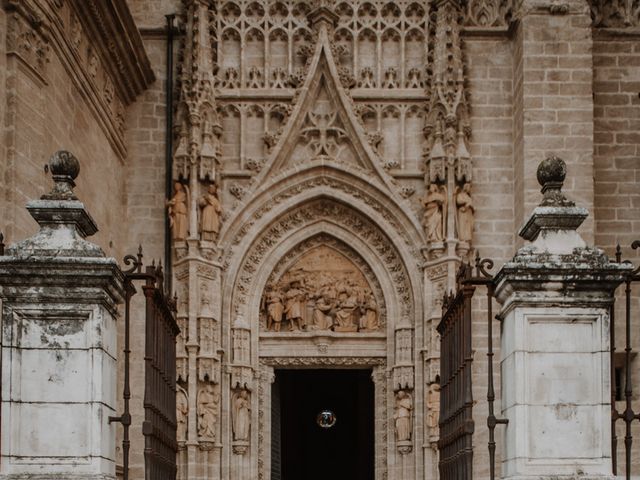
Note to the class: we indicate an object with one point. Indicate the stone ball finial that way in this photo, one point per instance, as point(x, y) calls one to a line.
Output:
point(551, 174)
point(64, 167)
point(64, 164)
point(552, 170)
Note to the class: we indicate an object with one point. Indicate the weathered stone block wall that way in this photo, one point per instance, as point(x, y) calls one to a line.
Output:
point(45, 111)
point(616, 89)
point(490, 71)
point(145, 197)
point(553, 102)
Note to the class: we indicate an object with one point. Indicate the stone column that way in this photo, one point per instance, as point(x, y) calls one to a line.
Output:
point(556, 294)
point(59, 296)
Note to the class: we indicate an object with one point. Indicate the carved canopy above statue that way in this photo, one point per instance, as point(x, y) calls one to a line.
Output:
point(321, 290)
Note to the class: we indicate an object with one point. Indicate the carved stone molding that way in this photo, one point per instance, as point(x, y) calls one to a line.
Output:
point(340, 185)
point(29, 43)
point(624, 14)
point(282, 362)
point(336, 213)
point(488, 14)
point(119, 44)
point(98, 44)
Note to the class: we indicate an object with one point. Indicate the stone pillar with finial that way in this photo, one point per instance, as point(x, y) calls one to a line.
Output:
point(556, 294)
point(59, 294)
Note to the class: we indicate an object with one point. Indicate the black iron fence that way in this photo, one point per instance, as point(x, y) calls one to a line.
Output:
point(456, 415)
point(456, 398)
point(161, 330)
point(622, 378)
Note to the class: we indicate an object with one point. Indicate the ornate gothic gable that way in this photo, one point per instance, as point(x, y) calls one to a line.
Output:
point(322, 125)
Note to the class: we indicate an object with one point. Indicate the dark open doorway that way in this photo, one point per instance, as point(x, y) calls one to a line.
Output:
point(301, 449)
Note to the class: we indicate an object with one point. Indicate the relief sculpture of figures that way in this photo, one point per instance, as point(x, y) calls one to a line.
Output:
point(178, 212)
point(402, 416)
point(240, 416)
point(434, 202)
point(207, 404)
point(344, 315)
point(211, 210)
point(369, 321)
point(465, 213)
point(322, 319)
point(295, 305)
point(322, 291)
point(275, 310)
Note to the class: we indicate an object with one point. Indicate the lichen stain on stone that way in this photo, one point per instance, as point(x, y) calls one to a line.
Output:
point(565, 411)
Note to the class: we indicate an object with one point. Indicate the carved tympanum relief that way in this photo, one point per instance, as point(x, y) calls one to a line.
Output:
point(323, 290)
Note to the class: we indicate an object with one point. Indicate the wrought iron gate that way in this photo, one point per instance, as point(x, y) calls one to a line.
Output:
point(628, 415)
point(456, 356)
point(456, 400)
point(456, 421)
point(161, 330)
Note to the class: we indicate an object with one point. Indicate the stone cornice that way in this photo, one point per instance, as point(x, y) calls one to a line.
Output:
point(119, 43)
point(98, 45)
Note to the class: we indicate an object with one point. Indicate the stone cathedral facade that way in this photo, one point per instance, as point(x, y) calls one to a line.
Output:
point(332, 164)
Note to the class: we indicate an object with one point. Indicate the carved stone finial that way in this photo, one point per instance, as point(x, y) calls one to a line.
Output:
point(64, 167)
point(323, 14)
point(556, 213)
point(551, 174)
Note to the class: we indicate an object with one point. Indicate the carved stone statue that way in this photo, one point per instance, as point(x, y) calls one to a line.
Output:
point(241, 415)
point(347, 304)
point(207, 404)
point(434, 202)
point(402, 416)
point(295, 304)
point(275, 310)
point(464, 212)
point(369, 321)
point(321, 319)
point(182, 414)
point(211, 210)
point(178, 212)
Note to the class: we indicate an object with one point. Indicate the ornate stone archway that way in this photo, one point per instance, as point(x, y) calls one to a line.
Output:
point(328, 222)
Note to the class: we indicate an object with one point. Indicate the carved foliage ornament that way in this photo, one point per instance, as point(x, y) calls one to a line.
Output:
point(336, 213)
point(615, 13)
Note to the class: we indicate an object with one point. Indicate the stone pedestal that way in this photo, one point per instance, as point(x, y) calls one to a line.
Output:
point(556, 294)
point(59, 352)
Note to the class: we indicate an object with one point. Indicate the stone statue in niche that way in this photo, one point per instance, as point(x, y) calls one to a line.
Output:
point(434, 202)
point(178, 212)
point(207, 408)
point(210, 217)
point(433, 405)
point(205, 300)
point(464, 212)
point(295, 303)
point(402, 415)
point(182, 414)
point(275, 310)
point(241, 415)
point(322, 291)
